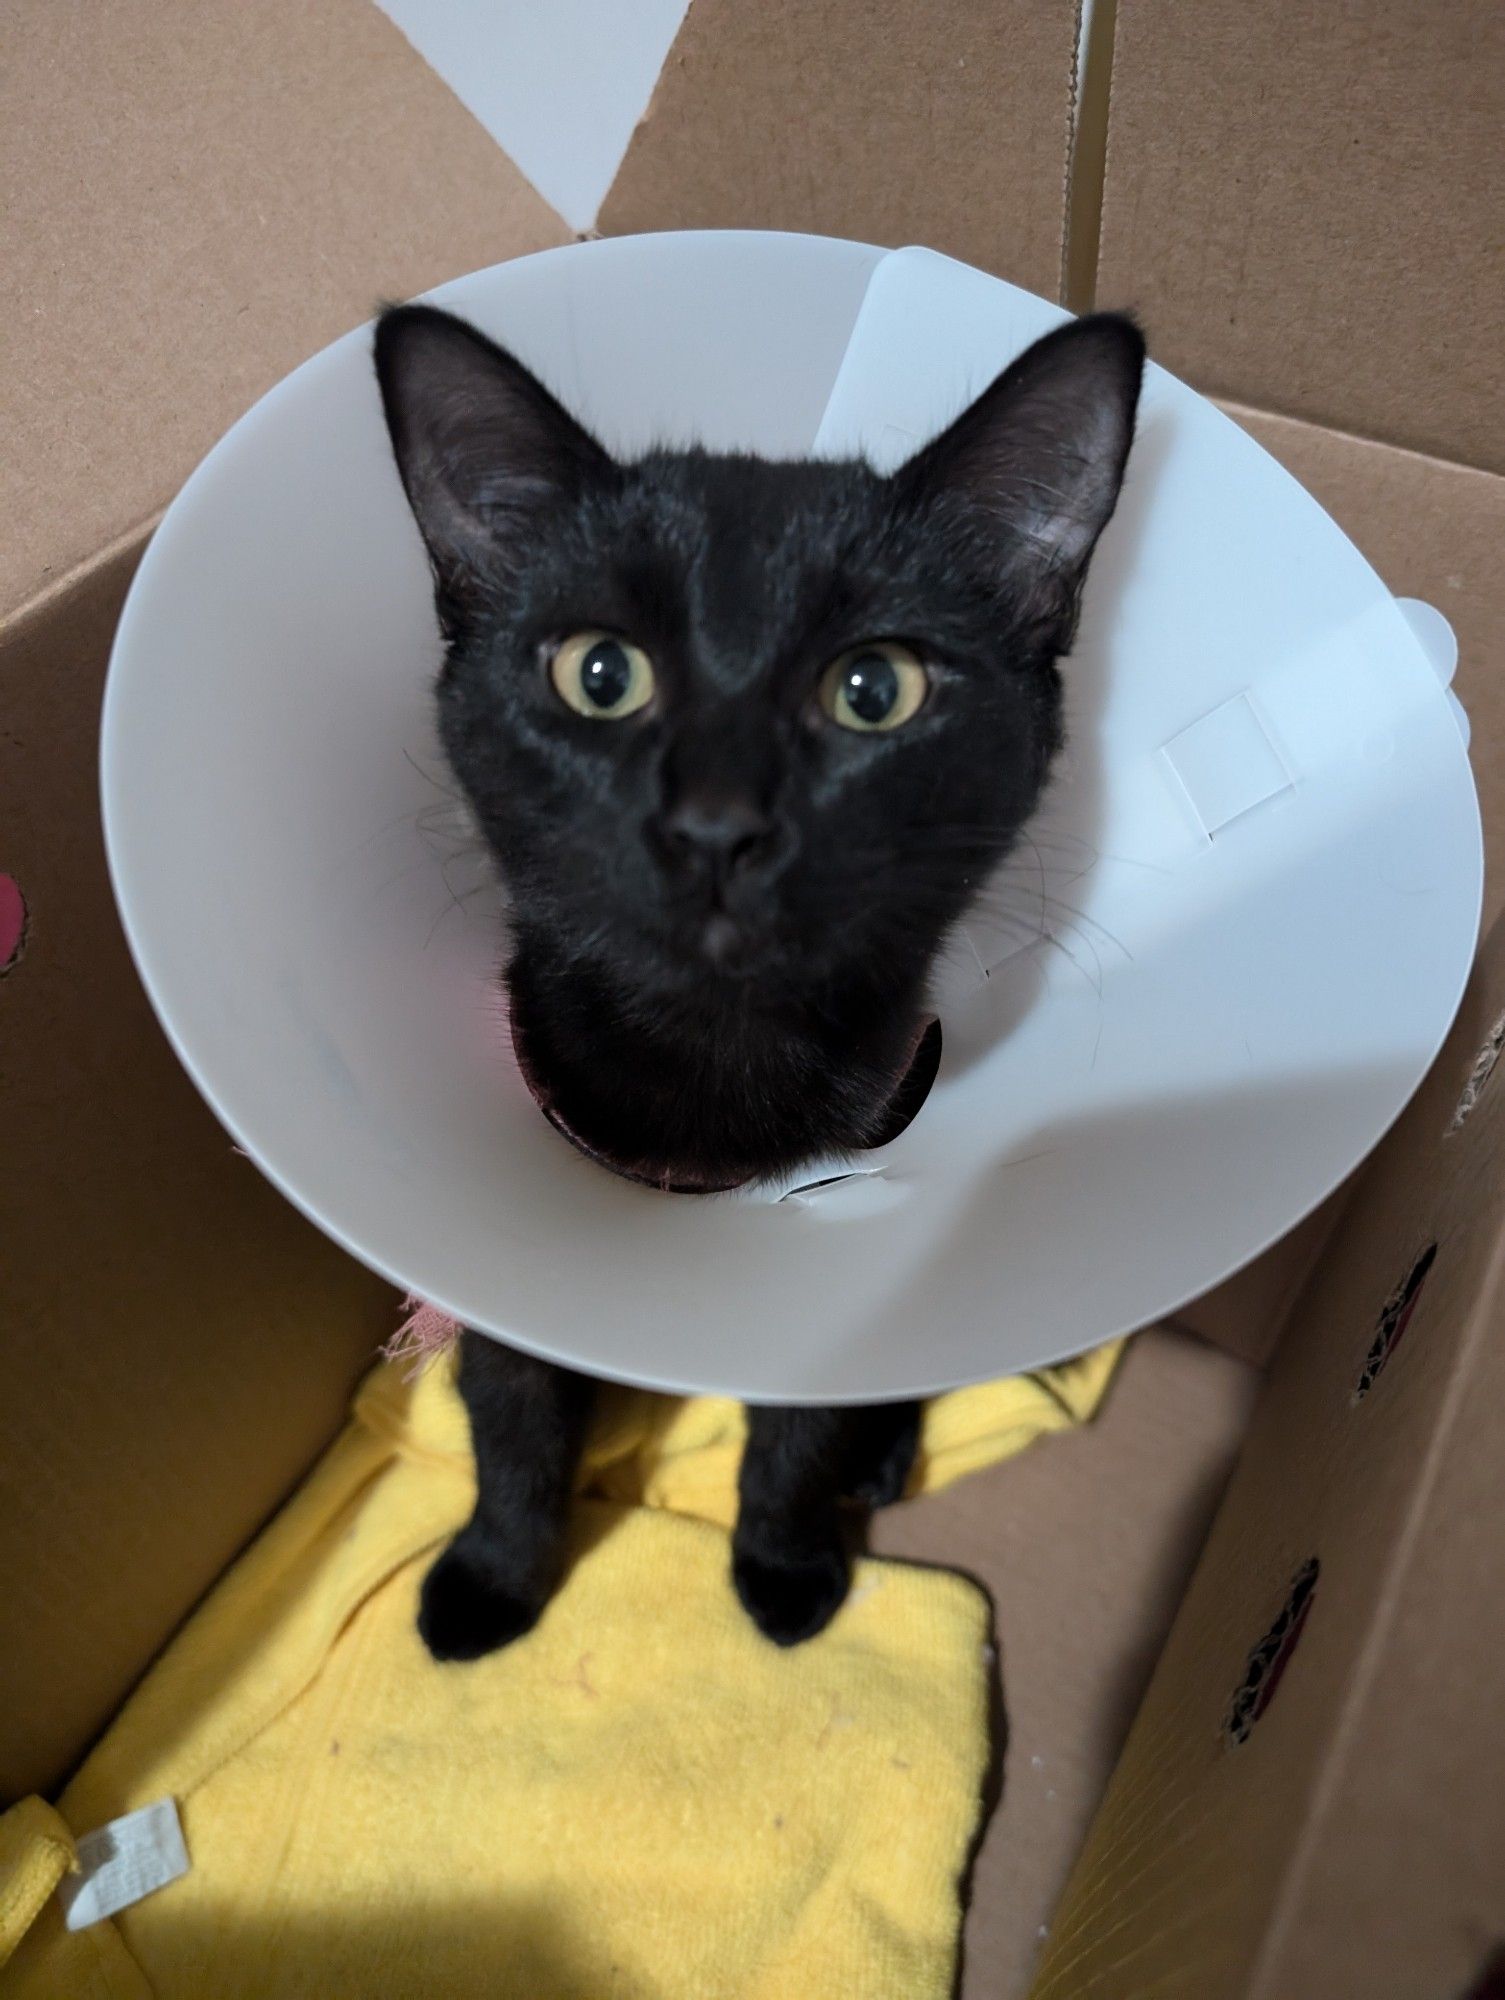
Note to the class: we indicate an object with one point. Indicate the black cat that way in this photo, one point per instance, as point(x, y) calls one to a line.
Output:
point(745, 738)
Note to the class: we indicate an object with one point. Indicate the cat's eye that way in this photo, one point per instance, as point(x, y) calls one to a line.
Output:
point(601, 676)
point(879, 685)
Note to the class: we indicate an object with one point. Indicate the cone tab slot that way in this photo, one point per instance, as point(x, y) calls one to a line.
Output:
point(1226, 765)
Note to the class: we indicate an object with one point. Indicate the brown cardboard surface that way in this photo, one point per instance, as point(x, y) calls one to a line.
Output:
point(1434, 531)
point(1084, 1545)
point(1410, 1847)
point(1303, 202)
point(1354, 1843)
point(176, 1343)
point(945, 124)
point(198, 195)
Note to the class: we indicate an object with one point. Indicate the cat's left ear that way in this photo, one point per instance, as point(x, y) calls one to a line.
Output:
point(1041, 453)
point(484, 450)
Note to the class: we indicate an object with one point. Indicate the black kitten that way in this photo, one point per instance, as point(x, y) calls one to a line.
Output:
point(745, 739)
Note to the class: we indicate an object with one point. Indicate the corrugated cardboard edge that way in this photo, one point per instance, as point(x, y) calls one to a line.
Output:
point(1090, 96)
point(55, 595)
point(1074, 138)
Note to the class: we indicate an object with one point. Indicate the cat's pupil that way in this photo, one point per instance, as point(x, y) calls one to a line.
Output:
point(606, 673)
point(872, 687)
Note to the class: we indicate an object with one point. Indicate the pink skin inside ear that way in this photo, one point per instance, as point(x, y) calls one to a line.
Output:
point(12, 921)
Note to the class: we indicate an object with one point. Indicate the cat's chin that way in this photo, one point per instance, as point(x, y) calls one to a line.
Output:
point(710, 1104)
point(727, 950)
point(720, 951)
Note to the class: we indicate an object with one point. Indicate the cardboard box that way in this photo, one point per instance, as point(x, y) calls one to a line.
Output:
point(202, 195)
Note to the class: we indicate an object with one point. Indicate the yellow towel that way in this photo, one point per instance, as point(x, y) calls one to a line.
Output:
point(641, 1800)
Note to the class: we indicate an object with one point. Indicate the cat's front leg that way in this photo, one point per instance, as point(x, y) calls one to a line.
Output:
point(884, 1439)
point(789, 1553)
point(528, 1421)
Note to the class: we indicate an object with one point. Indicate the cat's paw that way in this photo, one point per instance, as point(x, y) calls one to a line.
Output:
point(889, 1455)
point(791, 1598)
point(466, 1611)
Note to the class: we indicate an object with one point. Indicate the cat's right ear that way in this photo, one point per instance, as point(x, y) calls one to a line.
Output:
point(482, 447)
point(1039, 458)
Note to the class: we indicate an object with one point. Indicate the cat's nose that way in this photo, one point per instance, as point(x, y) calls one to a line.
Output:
point(724, 832)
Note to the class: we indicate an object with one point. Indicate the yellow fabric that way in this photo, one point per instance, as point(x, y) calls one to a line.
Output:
point(36, 1852)
point(684, 1455)
point(642, 1798)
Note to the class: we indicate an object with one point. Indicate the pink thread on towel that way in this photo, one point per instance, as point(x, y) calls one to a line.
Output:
point(424, 1334)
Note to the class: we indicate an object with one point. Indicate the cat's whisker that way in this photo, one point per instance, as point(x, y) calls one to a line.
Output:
point(1037, 931)
point(447, 863)
point(415, 816)
point(437, 783)
point(429, 858)
point(1044, 902)
point(1071, 958)
point(457, 845)
point(438, 812)
point(455, 903)
point(411, 868)
point(1051, 921)
point(1059, 841)
point(1074, 870)
point(1081, 918)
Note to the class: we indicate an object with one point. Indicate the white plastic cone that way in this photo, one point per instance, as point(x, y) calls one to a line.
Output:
point(1187, 1009)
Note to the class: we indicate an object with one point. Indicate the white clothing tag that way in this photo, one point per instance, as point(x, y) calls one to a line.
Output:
point(120, 1863)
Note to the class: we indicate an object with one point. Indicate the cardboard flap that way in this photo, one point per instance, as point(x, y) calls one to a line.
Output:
point(946, 124)
point(1303, 203)
point(198, 195)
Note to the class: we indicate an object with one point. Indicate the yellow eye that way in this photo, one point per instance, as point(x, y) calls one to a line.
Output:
point(602, 676)
point(876, 686)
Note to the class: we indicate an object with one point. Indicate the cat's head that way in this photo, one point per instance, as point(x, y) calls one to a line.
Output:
point(744, 736)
